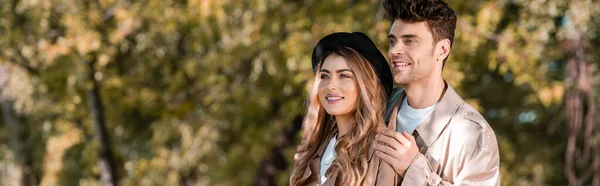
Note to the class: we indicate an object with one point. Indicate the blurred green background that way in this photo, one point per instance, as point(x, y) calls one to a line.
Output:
point(212, 92)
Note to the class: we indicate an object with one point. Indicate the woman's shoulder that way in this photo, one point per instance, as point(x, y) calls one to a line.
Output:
point(380, 173)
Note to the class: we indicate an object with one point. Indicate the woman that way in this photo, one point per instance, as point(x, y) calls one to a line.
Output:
point(345, 108)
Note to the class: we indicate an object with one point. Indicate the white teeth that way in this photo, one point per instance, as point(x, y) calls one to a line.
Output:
point(401, 64)
point(333, 98)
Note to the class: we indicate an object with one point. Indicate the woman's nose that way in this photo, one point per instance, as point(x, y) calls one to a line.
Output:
point(333, 84)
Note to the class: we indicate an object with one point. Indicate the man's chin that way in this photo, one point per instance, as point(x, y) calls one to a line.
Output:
point(401, 80)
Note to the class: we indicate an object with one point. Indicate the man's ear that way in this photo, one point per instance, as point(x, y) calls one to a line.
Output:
point(442, 49)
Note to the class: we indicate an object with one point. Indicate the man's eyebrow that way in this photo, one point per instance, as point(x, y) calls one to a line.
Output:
point(409, 36)
point(392, 36)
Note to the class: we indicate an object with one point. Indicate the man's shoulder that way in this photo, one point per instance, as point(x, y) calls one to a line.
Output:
point(472, 116)
point(472, 125)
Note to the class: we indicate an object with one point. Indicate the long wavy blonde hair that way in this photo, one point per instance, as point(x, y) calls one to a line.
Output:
point(352, 148)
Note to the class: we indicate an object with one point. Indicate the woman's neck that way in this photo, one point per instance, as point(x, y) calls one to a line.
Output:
point(344, 123)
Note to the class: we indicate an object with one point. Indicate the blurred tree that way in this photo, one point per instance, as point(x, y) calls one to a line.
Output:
point(582, 156)
point(211, 92)
point(18, 133)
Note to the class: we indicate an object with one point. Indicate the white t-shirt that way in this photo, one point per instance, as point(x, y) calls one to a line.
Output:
point(327, 158)
point(408, 118)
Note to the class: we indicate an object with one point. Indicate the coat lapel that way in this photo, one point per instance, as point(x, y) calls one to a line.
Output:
point(431, 128)
point(433, 125)
point(314, 165)
point(392, 118)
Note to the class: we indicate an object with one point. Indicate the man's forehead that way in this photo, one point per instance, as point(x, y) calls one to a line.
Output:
point(413, 28)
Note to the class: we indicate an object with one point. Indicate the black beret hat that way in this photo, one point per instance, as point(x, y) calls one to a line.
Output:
point(362, 44)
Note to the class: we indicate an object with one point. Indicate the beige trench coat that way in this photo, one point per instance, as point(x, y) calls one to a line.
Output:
point(457, 146)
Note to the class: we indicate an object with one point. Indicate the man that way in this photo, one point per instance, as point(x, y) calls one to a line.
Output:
point(451, 143)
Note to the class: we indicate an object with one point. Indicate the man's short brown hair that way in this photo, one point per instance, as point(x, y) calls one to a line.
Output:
point(440, 18)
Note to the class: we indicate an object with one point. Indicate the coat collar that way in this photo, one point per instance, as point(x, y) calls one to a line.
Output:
point(315, 162)
point(314, 165)
point(432, 126)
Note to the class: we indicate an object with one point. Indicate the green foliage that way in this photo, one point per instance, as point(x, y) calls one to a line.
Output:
point(199, 92)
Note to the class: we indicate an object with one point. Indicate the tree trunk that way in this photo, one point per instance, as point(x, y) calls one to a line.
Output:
point(275, 161)
point(106, 161)
point(582, 157)
point(18, 136)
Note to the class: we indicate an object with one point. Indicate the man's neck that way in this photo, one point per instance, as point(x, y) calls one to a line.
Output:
point(425, 93)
